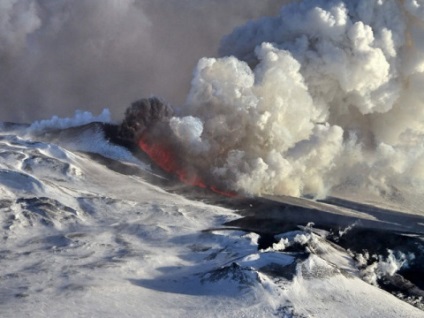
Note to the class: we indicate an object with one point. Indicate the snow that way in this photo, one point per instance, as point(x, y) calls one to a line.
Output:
point(82, 240)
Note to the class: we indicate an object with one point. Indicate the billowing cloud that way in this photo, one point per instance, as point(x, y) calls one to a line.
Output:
point(325, 95)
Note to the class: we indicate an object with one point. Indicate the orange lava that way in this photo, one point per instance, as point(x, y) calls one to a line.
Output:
point(165, 158)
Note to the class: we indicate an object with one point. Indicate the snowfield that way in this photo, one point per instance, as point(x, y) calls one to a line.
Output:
point(85, 235)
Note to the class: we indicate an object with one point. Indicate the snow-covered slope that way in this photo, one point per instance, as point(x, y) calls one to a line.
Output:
point(99, 235)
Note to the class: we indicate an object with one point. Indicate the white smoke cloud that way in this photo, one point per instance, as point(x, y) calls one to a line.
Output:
point(79, 118)
point(389, 266)
point(326, 94)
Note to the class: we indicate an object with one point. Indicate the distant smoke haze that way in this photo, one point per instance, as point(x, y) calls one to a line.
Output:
point(57, 56)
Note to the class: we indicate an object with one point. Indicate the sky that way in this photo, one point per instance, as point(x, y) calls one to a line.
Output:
point(60, 56)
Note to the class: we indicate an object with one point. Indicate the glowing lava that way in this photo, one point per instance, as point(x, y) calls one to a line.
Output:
point(166, 159)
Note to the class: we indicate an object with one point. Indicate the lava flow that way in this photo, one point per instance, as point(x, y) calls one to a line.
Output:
point(167, 160)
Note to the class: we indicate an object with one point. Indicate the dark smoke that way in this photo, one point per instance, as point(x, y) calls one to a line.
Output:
point(143, 115)
point(146, 127)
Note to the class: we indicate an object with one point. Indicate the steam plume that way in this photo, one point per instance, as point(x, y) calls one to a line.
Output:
point(326, 94)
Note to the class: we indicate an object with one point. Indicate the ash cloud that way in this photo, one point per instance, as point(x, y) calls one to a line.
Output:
point(143, 115)
point(59, 56)
point(325, 97)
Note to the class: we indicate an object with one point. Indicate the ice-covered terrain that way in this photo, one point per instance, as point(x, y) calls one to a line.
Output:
point(102, 234)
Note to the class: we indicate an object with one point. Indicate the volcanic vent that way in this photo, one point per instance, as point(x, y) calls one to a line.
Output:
point(147, 124)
